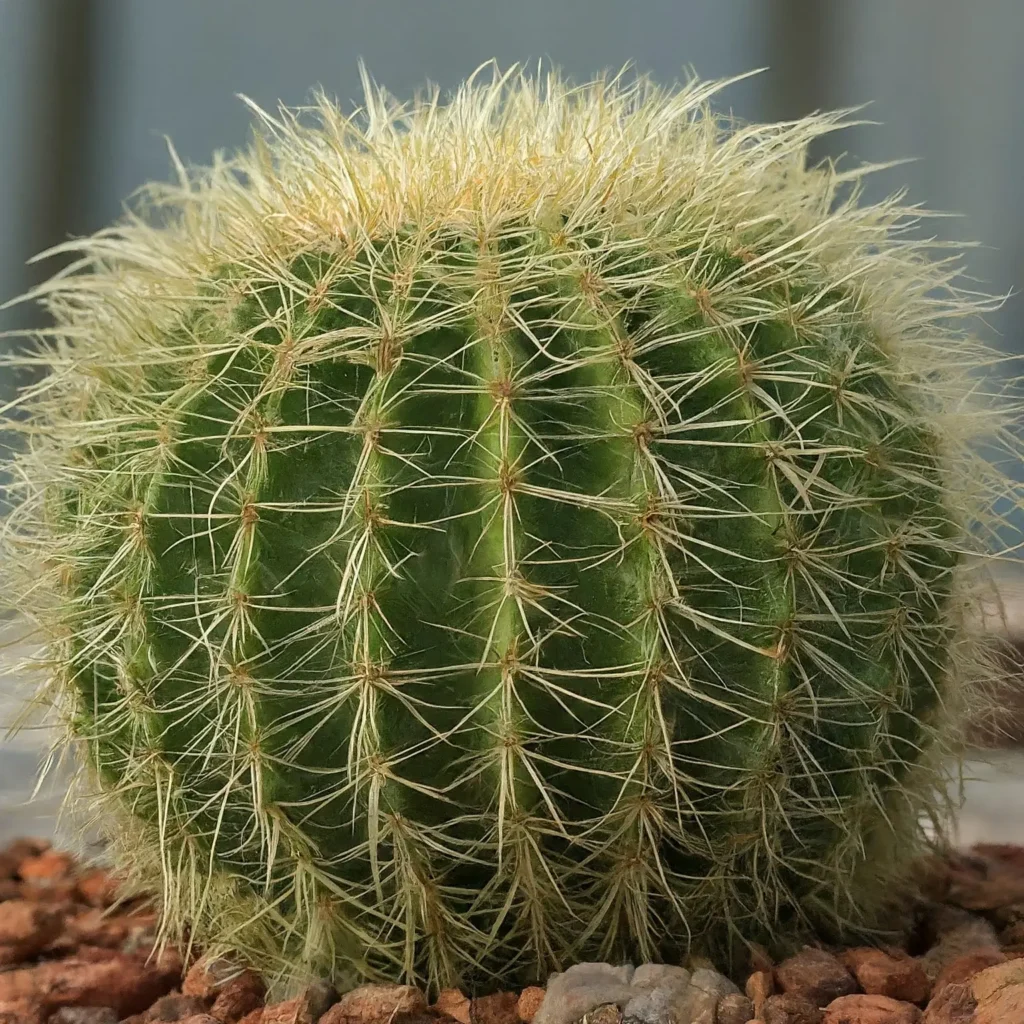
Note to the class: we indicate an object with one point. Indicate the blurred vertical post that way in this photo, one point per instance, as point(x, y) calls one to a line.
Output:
point(51, 59)
point(800, 54)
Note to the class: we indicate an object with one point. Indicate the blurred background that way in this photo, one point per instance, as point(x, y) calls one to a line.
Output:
point(89, 89)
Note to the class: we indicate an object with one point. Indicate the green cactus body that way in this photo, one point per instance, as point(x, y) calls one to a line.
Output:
point(557, 562)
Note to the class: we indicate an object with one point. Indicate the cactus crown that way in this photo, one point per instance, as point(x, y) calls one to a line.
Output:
point(469, 536)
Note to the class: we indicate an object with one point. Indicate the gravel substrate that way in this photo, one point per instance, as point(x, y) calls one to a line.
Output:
point(68, 955)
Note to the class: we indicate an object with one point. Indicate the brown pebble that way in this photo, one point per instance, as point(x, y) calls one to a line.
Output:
point(790, 1008)
point(870, 1009)
point(760, 985)
point(496, 1008)
point(205, 977)
point(253, 1016)
point(176, 1007)
point(238, 997)
point(374, 1004)
point(198, 1018)
point(988, 982)
point(120, 982)
point(881, 974)
point(529, 1002)
point(816, 975)
point(308, 1007)
point(1005, 1007)
point(98, 888)
point(9, 889)
point(26, 929)
point(953, 1004)
point(734, 1009)
point(454, 1003)
point(46, 867)
point(962, 969)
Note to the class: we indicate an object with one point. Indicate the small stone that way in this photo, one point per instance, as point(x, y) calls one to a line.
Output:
point(953, 1004)
point(707, 980)
point(253, 1016)
point(121, 982)
point(238, 996)
point(989, 981)
point(26, 929)
point(656, 1006)
point(660, 976)
point(878, 973)
point(816, 975)
point(50, 866)
point(963, 968)
point(870, 1009)
point(454, 1003)
point(529, 1003)
point(607, 1013)
point(84, 1015)
point(198, 1018)
point(582, 988)
point(205, 976)
point(309, 1006)
point(1004, 1006)
point(497, 1008)
point(760, 985)
point(371, 1004)
point(790, 1008)
point(734, 1009)
point(175, 1007)
point(98, 888)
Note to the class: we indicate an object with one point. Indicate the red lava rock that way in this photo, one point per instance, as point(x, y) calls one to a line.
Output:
point(374, 1004)
point(175, 1006)
point(307, 1008)
point(452, 1002)
point(253, 1017)
point(26, 929)
point(870, 1009)
point(50, 866)
point(497, 1008)
point(734, 1009)
point(98, 888)
point(897, 976)
point(84, 1015)
point(815, 974)
point(529, 1003)
point(790, 1008)
point(120, 982)
point(199, 1018)
point(238, 997)
point(964, 968)
point(953, 1004)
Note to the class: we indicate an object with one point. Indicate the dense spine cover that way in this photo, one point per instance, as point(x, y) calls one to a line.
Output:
point(500, 532)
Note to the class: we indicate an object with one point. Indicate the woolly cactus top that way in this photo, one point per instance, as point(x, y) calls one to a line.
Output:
point(473, 535)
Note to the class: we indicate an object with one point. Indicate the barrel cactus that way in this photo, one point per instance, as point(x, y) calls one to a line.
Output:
point(470, 536)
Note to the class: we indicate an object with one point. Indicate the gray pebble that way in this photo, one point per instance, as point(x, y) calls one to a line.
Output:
point(582, 988)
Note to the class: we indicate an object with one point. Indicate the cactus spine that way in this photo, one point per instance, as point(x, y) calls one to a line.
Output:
point(471, 536)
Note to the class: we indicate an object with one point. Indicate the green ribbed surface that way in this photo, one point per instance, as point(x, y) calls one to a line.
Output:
point(511, 603)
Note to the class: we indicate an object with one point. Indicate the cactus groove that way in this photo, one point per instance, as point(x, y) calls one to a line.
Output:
point(453, 569)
